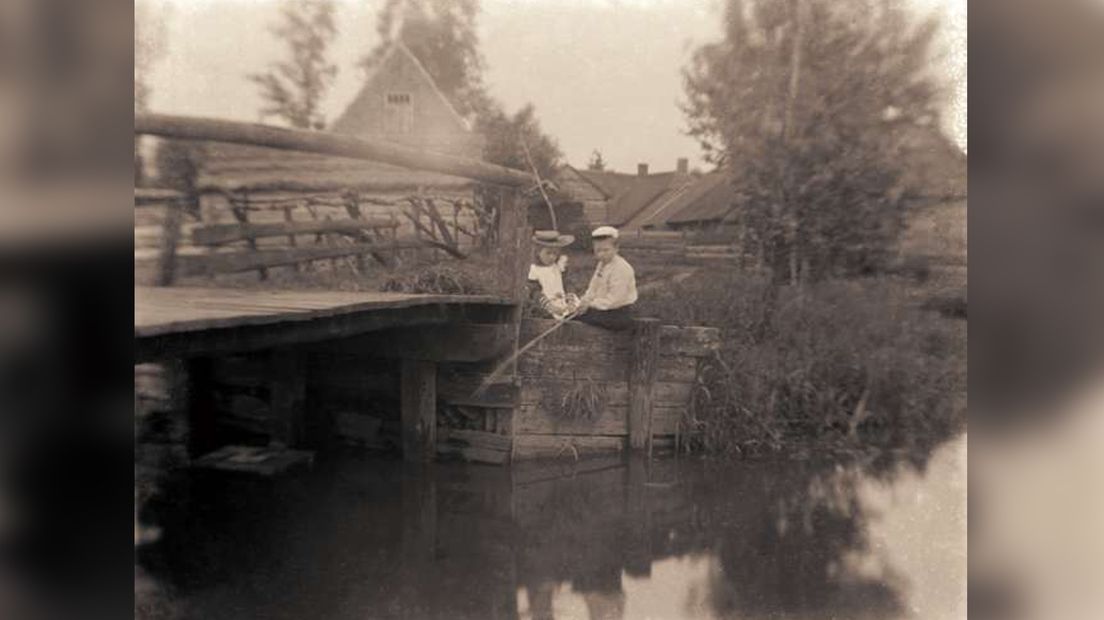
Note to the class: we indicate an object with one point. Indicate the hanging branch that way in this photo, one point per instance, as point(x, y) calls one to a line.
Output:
point(540, 183)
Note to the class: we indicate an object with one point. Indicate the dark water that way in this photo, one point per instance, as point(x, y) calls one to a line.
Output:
point(864, 537)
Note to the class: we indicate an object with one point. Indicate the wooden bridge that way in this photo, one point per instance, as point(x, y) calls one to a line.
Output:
point(299, 348)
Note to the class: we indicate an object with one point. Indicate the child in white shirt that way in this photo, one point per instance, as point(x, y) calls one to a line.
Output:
point(546, 273)
point(609, 300)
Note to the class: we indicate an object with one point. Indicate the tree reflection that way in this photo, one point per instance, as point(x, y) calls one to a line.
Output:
point(785, 534)
point(452, 541)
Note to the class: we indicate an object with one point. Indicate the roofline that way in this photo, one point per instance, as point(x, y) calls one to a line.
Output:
point(589, 182)
point(679, 191)
point(398, 44)
point(649, 203)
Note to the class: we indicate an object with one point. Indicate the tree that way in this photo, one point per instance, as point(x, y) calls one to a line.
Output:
point(596, 162)
point(294, 89)
point(806, 102)
point(508, 136)
point(442, 36)
point(149, 48)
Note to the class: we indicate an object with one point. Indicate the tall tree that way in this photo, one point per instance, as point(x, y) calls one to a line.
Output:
point(149, 48)
point(442, 36)
point(508, 136)
point(294, 88)
point(807, 102)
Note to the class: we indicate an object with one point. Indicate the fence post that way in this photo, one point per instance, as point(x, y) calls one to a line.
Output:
point(642, 375)
point(241, 214)
point(513, 240)
point(170, 237)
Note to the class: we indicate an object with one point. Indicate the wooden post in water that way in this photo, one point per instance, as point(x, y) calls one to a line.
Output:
point(419, 409)
point(514, 250)
point(202, 429)
point(288, 390)
point(642, 375)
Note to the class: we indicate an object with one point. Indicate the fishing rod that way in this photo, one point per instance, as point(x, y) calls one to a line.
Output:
point(501, 368)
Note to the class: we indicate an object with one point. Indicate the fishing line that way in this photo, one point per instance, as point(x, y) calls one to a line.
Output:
point(501, 368)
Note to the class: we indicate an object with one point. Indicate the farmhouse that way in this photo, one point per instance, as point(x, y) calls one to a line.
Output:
point(624, 200)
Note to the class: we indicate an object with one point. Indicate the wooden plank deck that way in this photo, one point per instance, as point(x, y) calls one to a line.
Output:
point(185, 321)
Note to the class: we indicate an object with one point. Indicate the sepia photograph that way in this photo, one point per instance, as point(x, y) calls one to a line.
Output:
point(550, 309)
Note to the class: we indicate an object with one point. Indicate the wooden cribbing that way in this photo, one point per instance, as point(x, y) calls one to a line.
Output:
point(642, 376)
point(419, 409)
point(216, 234)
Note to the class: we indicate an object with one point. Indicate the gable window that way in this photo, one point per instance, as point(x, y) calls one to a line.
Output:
point(398, 113)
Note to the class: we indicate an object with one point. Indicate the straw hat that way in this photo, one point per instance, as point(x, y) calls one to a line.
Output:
point(552, 239)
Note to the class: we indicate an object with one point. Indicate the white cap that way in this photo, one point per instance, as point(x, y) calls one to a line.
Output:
point(604, 231)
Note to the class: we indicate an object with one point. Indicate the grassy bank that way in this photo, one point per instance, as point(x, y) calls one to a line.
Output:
point(838, 363)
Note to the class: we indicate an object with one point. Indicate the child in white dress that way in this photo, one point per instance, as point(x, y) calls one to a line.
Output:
point(546, 274)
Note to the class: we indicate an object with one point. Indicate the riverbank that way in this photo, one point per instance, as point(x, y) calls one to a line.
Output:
point(837, 363)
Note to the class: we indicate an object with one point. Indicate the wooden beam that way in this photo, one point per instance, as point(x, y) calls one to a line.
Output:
point(642, 376)
point(419, 409)
point(232, 262)
point(481, 439)
point(325, 143)
point(459, 389)
point(216, 234)
point(564, 446)
point(455, 342)
point(144, 196)
point(264, 336)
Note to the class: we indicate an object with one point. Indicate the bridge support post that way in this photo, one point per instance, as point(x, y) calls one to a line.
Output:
point(202, 429)
point(642, 375)
point(288, 389)
point(419, 410)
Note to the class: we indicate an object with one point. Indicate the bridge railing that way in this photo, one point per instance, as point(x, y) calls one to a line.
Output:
point(184, 244)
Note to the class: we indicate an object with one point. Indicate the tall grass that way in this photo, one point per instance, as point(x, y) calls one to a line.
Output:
point(839, 362)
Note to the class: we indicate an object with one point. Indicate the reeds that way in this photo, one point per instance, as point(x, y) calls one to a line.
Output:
point(584, 400)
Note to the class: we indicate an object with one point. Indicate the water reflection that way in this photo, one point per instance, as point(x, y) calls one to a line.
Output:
point(868, 537)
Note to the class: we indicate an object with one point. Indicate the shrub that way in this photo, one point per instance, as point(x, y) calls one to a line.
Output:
point(441, 278)
point(839, 362)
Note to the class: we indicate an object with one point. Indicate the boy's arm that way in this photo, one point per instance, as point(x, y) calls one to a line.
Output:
point(589, 294)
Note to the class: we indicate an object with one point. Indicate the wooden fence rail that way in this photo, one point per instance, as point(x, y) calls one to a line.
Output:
point(192, 128)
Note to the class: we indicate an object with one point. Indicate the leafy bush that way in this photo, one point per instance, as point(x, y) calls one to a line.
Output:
point(442, 278)
point(837, 362)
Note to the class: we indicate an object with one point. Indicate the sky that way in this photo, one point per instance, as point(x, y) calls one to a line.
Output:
point(603, 74)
